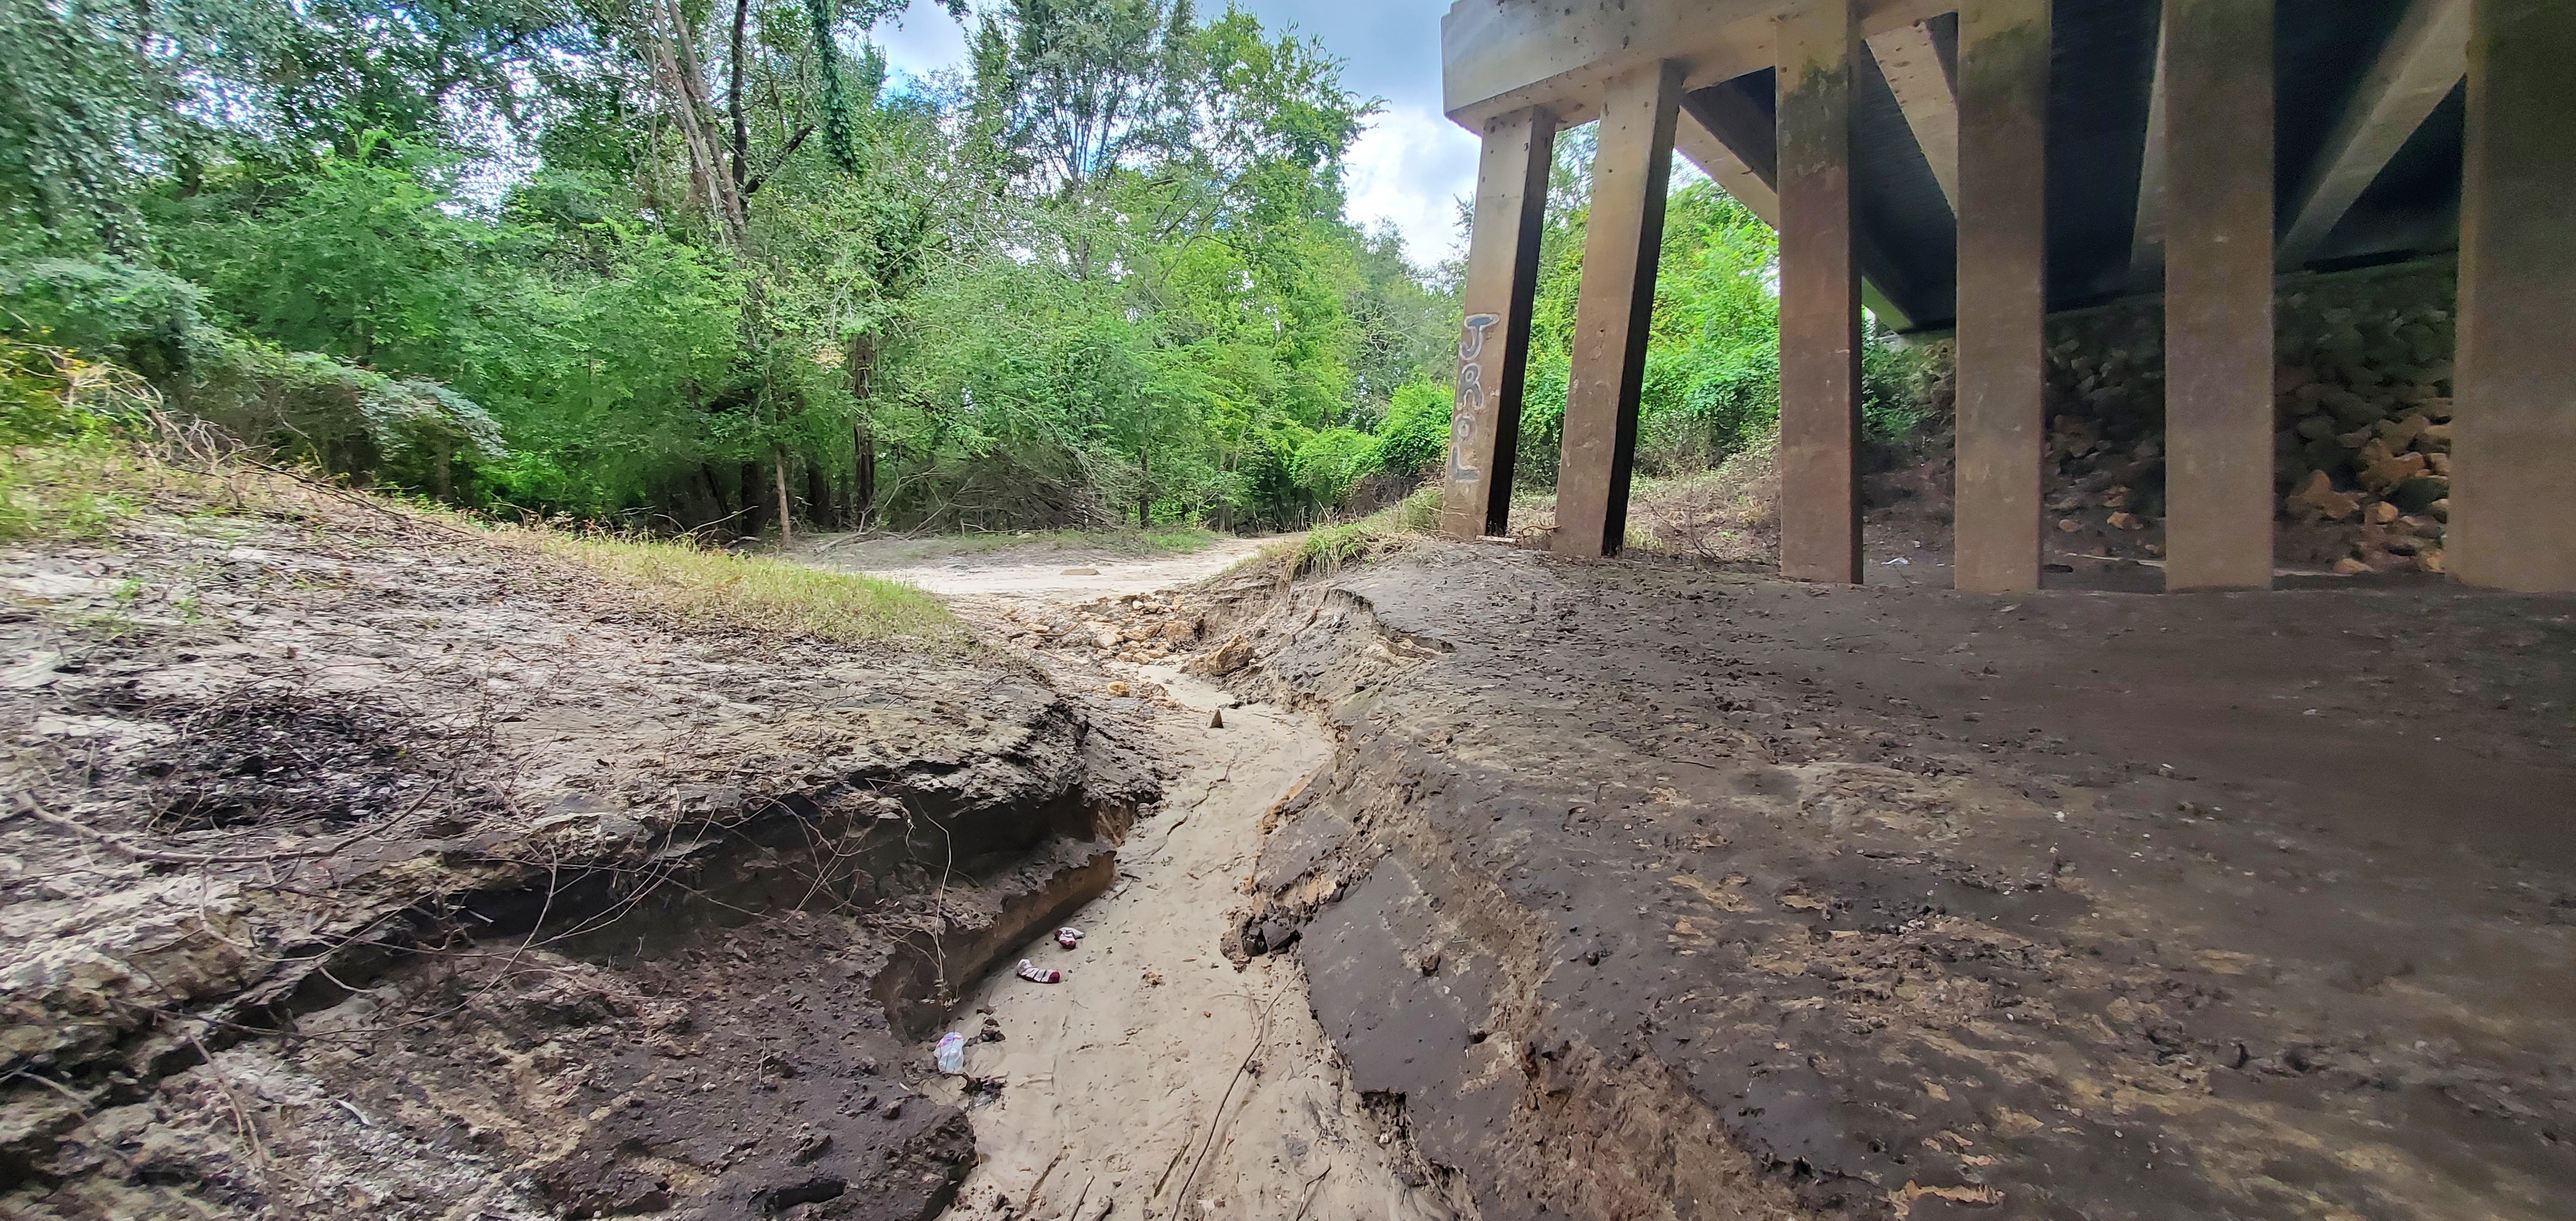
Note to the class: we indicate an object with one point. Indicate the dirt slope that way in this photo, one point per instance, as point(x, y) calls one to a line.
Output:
point(1659, 893)
point(354, 867)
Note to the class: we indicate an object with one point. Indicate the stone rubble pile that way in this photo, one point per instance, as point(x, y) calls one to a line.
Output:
point(2362, 435)
point(1136, 628)
point(2364, 441)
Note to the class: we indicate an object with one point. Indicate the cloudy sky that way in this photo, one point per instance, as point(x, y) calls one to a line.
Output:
point(1408, 169)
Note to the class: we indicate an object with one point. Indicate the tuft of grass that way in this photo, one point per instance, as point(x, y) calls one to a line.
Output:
point(1729, 513)
point(82, 486)
point(1169, 540)
point(1327, 549)
point(703, 587)
point(67, 469)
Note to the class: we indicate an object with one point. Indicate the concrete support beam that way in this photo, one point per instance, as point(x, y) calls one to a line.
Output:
point(1912, 66)
point(1693, 140)
point(1500, 57)
point(2418, 67)
point(2218, 294)
point(1631, 171)
point(2003, 277)
point(2147, 237)
point(1818, 42)
point(1493, 349)
point(2514, 431)
point(1733, 142)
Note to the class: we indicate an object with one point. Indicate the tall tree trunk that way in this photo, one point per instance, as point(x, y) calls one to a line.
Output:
point(818, 496)
point(1145, 494)
point(786, 512)
point(752, 509)
point(683, 84)
point(862, 366)
point(733, 100)
point(863, 481)
point(715, 496)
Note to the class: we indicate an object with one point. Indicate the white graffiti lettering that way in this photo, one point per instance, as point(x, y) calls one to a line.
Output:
point(1469, 403)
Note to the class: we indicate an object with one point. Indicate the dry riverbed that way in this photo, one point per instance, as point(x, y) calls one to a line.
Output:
point(1161, 1077)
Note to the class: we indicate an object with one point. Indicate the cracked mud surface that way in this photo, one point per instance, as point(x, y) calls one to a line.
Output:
point(1661, 893)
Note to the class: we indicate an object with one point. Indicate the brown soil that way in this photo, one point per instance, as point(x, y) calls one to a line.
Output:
point(1038, 574)
point(354, 866)
point(1169, 1073)
point(1163, 1077)
point(1655, 891)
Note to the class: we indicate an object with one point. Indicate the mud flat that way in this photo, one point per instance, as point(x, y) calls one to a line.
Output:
point(356, 866)
point(1651, 892)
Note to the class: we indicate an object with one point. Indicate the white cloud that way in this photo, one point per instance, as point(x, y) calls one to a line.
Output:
point(923, 40)
point(1410, 168)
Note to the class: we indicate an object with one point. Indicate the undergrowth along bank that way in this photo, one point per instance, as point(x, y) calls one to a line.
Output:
point(89, 453)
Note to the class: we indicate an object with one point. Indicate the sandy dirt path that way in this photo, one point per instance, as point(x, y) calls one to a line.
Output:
point(1034, 574)
point(1157, 1080)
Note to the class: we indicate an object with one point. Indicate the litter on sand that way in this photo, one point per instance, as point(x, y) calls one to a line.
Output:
point(1039, 975)
point(951, 1056)
point(1068, 936)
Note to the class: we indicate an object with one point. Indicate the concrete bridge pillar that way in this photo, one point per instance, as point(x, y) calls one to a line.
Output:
point(1817, 43)
point(1493, 348)
point(2514, 381)
point(2003, 271)
point(1631, 169)
point(2218, 294)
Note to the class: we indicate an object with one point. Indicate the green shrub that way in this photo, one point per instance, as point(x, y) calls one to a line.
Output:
point(1329, 462)
point(302, 405)
point(145, 320)
point(1415, 434)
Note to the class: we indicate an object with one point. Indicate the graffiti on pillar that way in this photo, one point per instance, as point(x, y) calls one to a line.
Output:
point(1467, 408)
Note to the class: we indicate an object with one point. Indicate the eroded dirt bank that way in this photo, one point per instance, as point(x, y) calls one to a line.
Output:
point(1170, 1074)
point(357, 867)
point(1164, 1078)
point(1652, 892)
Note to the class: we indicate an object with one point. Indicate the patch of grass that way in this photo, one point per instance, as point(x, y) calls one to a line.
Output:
point(708, 588)
point(71, 459)
point(1730, 513)
point(78, 487)
point(1328, 549)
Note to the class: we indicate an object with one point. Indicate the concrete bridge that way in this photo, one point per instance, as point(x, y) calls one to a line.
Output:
point(1977, 165)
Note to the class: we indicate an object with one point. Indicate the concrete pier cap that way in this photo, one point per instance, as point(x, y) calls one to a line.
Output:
point(1499, 56)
